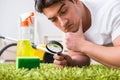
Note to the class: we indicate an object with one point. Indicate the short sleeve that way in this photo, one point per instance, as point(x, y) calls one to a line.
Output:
point(116, 33)
point(116, 23)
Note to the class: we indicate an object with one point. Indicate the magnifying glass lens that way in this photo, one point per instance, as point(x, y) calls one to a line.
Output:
point(54, 47)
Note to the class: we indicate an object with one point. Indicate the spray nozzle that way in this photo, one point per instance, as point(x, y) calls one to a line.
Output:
point(27, 17)
point(25, 23)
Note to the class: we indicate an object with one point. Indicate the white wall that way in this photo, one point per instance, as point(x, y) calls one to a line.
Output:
point(10, 10)
point(45, 27)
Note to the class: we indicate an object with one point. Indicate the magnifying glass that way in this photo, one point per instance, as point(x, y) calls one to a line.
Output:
point(53, 47)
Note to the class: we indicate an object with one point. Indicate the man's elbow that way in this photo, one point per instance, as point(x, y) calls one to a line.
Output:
point(86, 62)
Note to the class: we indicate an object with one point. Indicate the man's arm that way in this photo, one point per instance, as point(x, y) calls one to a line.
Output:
point(109, 56)
point(78, 59)
point(71, 59)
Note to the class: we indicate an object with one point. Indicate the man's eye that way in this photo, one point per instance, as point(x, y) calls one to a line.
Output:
point(64, 11)
point(54, 20)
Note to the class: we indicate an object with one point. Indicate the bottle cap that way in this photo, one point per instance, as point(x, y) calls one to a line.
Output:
point(25, 24)
point(32, 14)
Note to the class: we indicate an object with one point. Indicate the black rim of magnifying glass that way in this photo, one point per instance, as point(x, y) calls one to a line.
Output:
point(55, 42)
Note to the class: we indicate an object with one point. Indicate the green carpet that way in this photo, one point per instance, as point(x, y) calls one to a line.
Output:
point(49, 72)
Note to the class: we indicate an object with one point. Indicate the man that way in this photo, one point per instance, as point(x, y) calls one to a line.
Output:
point(90, 26)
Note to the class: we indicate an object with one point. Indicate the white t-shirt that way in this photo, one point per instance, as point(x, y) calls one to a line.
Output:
point(105, 21)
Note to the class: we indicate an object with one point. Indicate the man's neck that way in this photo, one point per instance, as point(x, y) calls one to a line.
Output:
point(86, 19)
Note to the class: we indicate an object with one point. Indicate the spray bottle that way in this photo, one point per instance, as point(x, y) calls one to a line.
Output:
point(24, 48)
point(29, 16)
point(25, 54)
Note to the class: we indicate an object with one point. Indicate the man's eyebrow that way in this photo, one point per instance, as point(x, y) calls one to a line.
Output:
point(61, 7)
point(58, 10)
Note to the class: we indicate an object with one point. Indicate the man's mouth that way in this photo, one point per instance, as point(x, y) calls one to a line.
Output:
point(68, 28)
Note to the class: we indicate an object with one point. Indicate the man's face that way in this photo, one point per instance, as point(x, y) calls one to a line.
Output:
point(66, 15)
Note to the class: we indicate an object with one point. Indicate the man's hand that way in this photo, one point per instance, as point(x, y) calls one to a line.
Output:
point(62, 60)
point(74, 40)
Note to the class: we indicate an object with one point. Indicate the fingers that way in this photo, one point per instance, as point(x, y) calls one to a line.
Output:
point(58, 57)
point(62, 63)
point(80, 27)
point(73, 35)
point(73, 39)
point(59, 60)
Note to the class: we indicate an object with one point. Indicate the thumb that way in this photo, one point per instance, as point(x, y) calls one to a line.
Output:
point(79, 31)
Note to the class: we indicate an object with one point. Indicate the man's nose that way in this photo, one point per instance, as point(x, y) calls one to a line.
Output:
point(63, 21)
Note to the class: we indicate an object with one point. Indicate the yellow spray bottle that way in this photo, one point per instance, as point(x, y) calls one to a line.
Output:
point(25, 54)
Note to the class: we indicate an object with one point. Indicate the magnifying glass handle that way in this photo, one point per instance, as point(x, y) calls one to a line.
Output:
point(41, 48)
point(44, 49)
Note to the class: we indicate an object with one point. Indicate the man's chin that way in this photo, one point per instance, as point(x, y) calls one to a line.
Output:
point(66, 31)
point(70, 31)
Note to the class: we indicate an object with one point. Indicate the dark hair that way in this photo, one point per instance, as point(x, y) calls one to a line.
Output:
point(41, 4)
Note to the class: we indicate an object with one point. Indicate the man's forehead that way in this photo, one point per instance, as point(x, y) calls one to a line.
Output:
point(53, 9)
